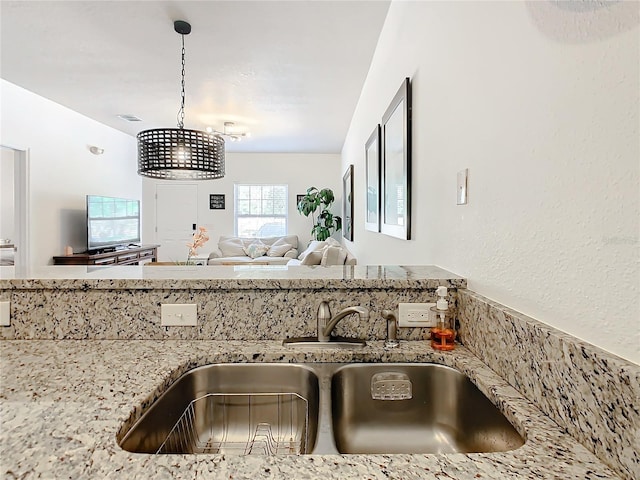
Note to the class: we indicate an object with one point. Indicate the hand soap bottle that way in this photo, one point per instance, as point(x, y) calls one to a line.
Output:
point(443, 334)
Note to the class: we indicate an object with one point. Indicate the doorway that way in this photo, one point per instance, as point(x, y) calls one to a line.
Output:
point(14, 208)
point(176, 220)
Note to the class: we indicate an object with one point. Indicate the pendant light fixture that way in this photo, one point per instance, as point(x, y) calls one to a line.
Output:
point(180, 153)
point(229, 132)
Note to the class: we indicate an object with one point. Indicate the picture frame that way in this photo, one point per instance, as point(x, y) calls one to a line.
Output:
point(299, 198)
point(395, 208)
point(347, 204)
point(372, 154)
point(217, 201)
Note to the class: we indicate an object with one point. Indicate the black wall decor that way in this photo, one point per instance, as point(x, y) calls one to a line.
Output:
point(216, 201)
point(396, 165)
point(372, 171)
point(347, 204)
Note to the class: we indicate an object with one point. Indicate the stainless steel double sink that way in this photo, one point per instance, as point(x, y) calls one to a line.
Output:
point(322, 408)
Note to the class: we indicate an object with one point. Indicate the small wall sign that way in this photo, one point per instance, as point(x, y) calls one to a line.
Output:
point(216, 201)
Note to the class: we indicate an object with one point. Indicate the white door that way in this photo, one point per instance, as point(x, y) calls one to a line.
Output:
point(14, 208)
point(176, 220)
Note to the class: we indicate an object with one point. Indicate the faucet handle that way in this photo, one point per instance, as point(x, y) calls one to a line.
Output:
point(324, 311)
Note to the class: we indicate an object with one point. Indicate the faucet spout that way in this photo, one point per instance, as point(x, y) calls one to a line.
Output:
point(326, 323)
point(392, 327)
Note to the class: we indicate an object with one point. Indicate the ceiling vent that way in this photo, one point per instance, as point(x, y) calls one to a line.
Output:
point(129, 118)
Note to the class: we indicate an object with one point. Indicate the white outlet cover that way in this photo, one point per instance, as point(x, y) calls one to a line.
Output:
point(179, 314)
point(5, 313)
point(416, 315)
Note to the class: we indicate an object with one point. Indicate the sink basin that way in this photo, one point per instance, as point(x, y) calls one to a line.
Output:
point(254, 408)
point(418, 408)
point(321, 408)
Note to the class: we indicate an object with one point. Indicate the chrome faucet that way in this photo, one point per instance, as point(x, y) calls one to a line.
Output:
point(326, 322)
point(392, 326)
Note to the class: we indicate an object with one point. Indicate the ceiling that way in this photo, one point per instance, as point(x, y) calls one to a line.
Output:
point(289, 72)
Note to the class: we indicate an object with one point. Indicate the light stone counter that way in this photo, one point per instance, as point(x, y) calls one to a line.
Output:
point(239, 303)
point(62, 404)
point(239, 277)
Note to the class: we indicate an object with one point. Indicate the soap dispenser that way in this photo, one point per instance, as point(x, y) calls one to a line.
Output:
point(443, 334)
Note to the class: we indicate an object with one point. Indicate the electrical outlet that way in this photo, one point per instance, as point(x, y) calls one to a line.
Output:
point(416, 315)
point(5, 313)
point(179, 315)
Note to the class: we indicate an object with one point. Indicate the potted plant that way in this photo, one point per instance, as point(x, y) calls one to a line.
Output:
point(316, 203)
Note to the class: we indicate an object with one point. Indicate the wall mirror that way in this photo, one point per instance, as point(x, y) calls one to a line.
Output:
point(347, 204)
point(396, 165)
point(372, 172)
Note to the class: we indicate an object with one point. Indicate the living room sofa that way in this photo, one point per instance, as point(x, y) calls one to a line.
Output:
point(281, 250)
point(257, 251)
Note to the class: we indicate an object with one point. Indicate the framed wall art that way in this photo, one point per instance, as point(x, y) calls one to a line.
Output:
point(217, 201)
point(396, 165)
point(372, 172)
point(347, 204)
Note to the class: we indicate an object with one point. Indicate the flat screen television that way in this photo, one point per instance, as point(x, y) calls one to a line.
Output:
point(112, 223)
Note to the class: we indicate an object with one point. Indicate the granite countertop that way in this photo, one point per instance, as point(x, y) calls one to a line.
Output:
point(238, 277)
point(63, 402)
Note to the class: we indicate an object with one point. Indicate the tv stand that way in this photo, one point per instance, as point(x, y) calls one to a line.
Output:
point(125, 256)
point(99, 251)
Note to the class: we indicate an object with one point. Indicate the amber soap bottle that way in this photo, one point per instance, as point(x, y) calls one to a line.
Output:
point(443, 334)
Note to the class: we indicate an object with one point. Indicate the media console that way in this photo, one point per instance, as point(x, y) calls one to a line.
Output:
point(126, 256)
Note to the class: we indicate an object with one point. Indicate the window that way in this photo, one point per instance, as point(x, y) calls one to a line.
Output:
point(260, 210)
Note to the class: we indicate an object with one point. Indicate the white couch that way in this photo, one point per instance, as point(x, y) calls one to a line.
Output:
point(278, 251)
point(261, 251)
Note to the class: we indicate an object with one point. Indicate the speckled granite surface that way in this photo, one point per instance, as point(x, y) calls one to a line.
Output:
point(257, 303)
point(595, 395)
point(63, 402)
point(240, 277)
point(590, 393)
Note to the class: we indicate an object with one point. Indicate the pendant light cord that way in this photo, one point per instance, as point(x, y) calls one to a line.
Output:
point(181, 111)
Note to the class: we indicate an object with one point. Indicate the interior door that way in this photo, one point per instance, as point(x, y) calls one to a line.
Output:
point(7, 208)
point(14, 208)
point(176, 219)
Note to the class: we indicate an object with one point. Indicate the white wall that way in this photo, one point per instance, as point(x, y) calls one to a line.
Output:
point(62, 170)
point(540, 101)
point(298, 171)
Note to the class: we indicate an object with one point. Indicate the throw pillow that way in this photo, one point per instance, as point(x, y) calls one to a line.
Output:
point(313, 258)
point(279, 248)
point(314, 246)
point(333, 256)
point(256, 249)
point(333, 242)
point(231, 247)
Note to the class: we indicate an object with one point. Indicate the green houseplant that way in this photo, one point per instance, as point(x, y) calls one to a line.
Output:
point(316, 203)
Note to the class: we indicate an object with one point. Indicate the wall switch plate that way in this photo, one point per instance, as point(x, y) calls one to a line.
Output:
point(178, 314)
point(463, 179)
point(416, 315)
point(5, 313)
